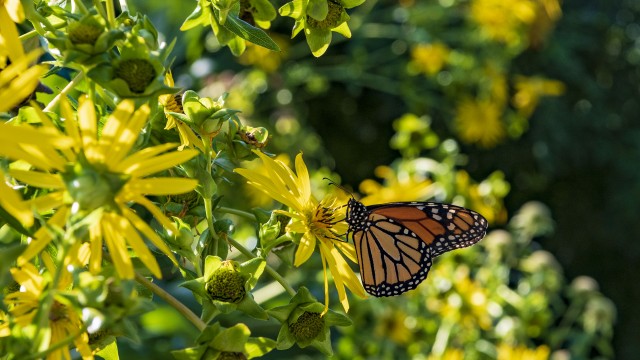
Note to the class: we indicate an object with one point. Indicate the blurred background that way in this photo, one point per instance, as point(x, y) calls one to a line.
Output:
point(524, 110)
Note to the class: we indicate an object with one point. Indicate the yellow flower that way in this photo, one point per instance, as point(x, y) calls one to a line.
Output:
point(504, 21)
point(317, 221)
point(478, 121)
point(96, 180)
point(400, 186)
point(429, 58)
point(529, 90)
point(63, 321)
point(522, 353)
point(18, 80)
point(449, 354)
point(173, 103)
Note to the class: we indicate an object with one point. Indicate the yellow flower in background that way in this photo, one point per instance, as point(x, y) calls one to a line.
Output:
point(547, 14)
point(429, 58)
point(449, 354)
point(263, 58)
point(519, 352)
point(484, 197)
point(504, 21)
point(400, 186)
point(173, 103)
point(478, 122)
point(316, 221)
point(529, 90)
point(96, 179)
point(63, 320)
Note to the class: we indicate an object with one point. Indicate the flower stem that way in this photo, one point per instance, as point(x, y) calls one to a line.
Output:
point(175, 303)
point(64, 92)
point(271, 271)
point(244, 214)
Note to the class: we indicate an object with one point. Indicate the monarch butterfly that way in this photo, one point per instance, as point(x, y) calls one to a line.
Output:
point(396, 242)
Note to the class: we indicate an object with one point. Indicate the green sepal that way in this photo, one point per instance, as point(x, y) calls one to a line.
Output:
point(318, 9)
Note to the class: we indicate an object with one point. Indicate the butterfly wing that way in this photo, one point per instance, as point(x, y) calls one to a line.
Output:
point(391, 257)
point(396, 242)
point(443, 227)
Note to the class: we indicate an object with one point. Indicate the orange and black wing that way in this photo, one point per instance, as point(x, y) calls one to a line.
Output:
point(396, 242)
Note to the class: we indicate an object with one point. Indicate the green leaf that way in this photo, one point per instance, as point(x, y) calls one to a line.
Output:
point(293, 9)
point(250, 33)
point(197, 17)
point(318, 40)
point(263, 10)
point(232, 339)
point(318, 9)
point(256, 347)
point(109, 352)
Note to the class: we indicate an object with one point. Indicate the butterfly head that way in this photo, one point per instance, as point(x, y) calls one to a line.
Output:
point(357, 215)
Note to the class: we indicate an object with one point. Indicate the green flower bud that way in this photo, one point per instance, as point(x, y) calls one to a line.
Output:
point(85, 32)
point(308, 326)
point(226, 284)
point(90, 188)
point(226, 355)
point(137, 73)
point(333, 19)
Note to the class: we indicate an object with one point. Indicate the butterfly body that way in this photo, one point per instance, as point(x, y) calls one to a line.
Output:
point(396, 242)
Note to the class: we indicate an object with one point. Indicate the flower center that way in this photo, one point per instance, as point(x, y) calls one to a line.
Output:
point(226, 284)
point(92, 188)
point(308, 326)
point(137, 73)
point(57, 312)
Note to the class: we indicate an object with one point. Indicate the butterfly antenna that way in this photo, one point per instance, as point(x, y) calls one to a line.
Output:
point(331, 182)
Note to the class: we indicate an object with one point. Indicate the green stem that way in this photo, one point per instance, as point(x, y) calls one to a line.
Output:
point(111, 13)
point(208, 205)
point(64, 92)
point(271, 271)
point(175, 303)
point(244, 214)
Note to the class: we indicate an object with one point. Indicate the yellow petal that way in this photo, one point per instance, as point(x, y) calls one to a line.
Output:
point(162, 186)
point(149, 233)
point(127, 137)
point(87, 122)
point(139, 247)
point(113, 236)
point(95, 241)
point(13, 203)
point(44, 203)
point(42, 237)
point(303, 177)
point(159, 163)
point(9, 33)
point(38, 179)
point(143, 154)
point(305, 249)
point(157, 213)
